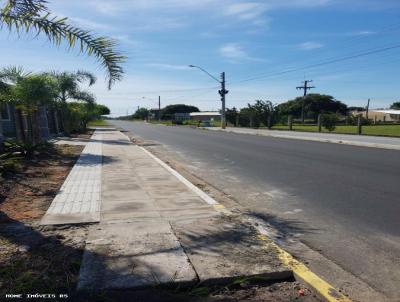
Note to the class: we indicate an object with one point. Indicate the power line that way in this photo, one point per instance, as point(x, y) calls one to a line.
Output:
point(174, 90)
point(379, 31)
point(346, 58)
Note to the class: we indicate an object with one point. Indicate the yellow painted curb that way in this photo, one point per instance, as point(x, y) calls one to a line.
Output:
point(301, 271)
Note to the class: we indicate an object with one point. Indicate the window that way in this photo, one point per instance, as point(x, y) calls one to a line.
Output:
point(5, 112)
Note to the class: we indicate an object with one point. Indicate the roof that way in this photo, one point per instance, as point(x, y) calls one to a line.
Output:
point(205, 113)
point(388, 111)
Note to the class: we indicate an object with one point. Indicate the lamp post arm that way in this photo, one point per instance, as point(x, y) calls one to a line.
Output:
point(206, 72)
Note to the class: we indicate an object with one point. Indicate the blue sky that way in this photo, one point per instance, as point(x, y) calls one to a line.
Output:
point(246, 39)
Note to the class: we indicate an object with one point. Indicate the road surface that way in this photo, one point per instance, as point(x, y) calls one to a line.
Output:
point(343, 201)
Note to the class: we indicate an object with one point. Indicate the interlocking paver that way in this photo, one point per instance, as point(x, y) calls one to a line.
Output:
point(81, 191)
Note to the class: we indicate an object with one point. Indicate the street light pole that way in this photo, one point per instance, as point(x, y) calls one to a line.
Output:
point(221, 92)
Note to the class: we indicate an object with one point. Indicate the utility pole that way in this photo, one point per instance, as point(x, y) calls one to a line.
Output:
point(159, 108)
point(306, 88)
point(366, 114)
point(222, 93)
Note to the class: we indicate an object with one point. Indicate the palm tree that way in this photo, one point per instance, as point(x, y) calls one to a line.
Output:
point(34, 16)
point(8, 77)
point(69, 85)
point(69, 88)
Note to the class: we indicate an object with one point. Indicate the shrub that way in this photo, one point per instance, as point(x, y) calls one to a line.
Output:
point(329, 121)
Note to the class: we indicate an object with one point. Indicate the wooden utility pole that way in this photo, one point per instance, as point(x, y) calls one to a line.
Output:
point(366, 113)
point(305, 87)
point(159, 108)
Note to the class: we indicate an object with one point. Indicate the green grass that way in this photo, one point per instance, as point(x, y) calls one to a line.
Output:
point(380, 130)
point(97, 123)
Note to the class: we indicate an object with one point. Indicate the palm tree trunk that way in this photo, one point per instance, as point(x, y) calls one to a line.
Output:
point(1, 135)
point(29, 128)
point(18, 125)
point(35, 127)
point(43, 123)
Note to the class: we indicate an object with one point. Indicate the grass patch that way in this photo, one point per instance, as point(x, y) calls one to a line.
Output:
point(98, 123)
point(379, 130)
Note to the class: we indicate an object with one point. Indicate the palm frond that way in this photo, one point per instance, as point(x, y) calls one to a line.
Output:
point(84, 96)
point(13, 74)
point(58, 30)
point(83, 75)
point(25, 7)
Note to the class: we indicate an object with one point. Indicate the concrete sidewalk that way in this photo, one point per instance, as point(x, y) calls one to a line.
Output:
point(156, 230)
point(346, 139)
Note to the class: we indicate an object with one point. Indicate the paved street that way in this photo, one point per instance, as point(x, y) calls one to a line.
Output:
point(340, 200)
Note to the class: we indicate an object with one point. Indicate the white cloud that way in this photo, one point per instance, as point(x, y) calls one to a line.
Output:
point(92, 25)
point(310, 45)
point(169, 66)
point(248, 11)
point(362, 33)
point(233, 51)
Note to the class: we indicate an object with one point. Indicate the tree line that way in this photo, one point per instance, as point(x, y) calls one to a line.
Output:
point(56, 94)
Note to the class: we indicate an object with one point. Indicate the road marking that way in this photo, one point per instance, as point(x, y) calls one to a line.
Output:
point(299, 269)
point(304, 273)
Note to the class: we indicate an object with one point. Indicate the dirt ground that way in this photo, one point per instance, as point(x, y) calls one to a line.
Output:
point(35, 259)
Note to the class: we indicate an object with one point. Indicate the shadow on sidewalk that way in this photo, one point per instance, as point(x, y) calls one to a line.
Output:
point(39, 262)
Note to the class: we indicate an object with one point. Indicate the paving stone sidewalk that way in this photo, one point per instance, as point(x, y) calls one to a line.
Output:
point(153, 229)
point(78, 200)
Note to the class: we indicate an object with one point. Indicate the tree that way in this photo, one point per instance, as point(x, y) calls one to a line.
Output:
point(231, 115)
point(102, 110)
point(395, 105)
point(33, 16)
point(82, 113)
point(68, 89)
point(169, 111)
point(69, 85)
point(264, 111)
point(355, 108)
point(8, 77)
point(314, 104)
point(30, 93)
point(141, 113)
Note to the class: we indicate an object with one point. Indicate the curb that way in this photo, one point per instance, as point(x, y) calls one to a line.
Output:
point(300, 270)
point(321, 140)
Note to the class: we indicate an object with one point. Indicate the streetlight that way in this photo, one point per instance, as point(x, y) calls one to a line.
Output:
point(221, 92)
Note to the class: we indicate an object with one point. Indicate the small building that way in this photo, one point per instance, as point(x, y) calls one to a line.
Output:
point(180, 117)
point(205, 116)
point(384, 115)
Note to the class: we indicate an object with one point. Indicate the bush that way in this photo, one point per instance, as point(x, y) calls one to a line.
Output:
point(329, 121)
point(191, 122)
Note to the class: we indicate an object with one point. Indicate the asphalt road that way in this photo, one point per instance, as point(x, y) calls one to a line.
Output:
point(343, 201)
